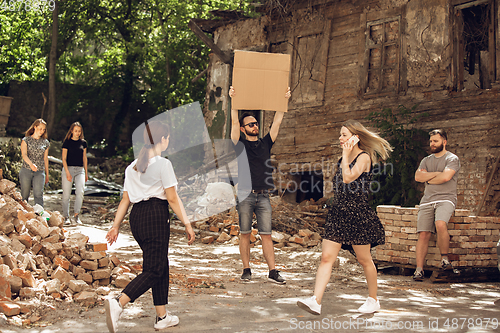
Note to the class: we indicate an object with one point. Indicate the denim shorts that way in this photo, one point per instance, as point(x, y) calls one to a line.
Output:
point(429, 213)
point(259, 204)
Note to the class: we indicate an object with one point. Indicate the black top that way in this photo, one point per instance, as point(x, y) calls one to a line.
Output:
point(75, 151)
point(259, 156)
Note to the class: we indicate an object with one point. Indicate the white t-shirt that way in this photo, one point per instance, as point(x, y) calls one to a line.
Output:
point(159, 175)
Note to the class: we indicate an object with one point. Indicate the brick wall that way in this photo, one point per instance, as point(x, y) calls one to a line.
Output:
point(472, 238)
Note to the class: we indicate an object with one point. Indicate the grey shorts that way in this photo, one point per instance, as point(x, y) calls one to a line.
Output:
point(428, 214)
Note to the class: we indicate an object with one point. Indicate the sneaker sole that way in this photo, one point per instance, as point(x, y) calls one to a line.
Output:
point(170, 325)
point(418, 279)
point(304, 306)
point(109, 322)
point(271, 280)
point(367, 312)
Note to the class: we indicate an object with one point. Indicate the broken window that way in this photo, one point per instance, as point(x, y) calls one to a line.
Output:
point(474, 45)
point(382, 56)
point(309, 70)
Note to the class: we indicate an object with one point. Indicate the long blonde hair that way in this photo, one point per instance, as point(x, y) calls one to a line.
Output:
point(31, 130)
point(153, 133)
point(69, 135)
point(369, 141)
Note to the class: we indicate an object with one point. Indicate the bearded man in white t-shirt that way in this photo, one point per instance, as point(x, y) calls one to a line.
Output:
point(439, 172)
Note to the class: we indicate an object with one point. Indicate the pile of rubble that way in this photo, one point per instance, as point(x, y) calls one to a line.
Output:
point(39, 259)
point(295, 226)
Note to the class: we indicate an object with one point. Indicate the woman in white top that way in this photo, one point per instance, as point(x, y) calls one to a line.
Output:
point(150, 184)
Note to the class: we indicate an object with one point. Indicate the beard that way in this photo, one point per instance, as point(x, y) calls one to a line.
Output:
point(437, 149)
point(251, 133)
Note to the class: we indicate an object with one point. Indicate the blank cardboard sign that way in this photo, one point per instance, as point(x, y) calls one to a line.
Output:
point(260, 81)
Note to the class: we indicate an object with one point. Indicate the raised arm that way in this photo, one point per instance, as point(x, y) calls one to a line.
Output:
point(278, 118)
point(235, 123)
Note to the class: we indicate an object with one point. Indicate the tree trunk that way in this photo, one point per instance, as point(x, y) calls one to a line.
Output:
point(51, 114)
point(116, 127)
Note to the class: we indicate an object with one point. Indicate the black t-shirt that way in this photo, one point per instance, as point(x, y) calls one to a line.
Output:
point(259, 156)
point(75, 151)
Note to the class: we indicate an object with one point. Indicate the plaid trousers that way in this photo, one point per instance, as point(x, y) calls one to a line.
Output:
point(149, 222)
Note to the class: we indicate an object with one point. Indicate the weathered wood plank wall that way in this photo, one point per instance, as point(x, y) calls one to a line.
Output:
point(309, 132)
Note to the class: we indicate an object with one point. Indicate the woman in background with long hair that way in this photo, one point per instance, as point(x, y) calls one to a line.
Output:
point(74, 158)
point(35, 154)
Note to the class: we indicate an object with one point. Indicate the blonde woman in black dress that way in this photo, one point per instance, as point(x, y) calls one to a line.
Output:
point(351, 223)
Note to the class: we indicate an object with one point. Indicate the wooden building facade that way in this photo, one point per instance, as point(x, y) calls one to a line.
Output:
point(352, 57)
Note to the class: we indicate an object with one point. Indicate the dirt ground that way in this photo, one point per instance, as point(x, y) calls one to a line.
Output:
point(208, 296)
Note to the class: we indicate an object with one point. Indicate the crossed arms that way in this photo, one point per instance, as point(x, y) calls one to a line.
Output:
point(434, 178)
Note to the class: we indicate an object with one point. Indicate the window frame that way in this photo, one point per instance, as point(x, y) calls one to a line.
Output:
point(456, 37)
point(367, 20)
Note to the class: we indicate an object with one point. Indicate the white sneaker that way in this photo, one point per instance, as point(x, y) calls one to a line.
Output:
point(167, 321)
point(371, 305)
point(113, 312)
point(310, 305)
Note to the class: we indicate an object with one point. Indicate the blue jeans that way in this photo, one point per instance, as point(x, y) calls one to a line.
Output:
point(259, 204)
point(28, 177)
point(78, 177)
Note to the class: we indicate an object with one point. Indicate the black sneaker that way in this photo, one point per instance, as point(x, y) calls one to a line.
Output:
point(446, 265)
point(274, 276)
point(418, 276)
point(247, 275)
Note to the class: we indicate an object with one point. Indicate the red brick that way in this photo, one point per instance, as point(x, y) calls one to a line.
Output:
point(61, 262)
point(253, 239)
point(297, 240)
point(235, 230)
point(208, 240)
point(5, 287)
point(96, 247)
point(213, 228)
point(25, 216)
point(10, 309)
point(26, 276)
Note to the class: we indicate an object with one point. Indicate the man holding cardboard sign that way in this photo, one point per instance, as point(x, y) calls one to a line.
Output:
point(256, 199)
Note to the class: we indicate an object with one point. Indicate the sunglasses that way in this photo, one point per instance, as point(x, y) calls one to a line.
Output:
point(252, 124)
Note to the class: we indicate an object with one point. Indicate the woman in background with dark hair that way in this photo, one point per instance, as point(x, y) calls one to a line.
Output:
point(150, 184)
point(74, 158)
point(35, 169)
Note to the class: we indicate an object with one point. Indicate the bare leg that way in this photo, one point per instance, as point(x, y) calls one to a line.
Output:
point(329, 253)
point(443, 237)
point(422, 245)
point(365, 259)
point(245, 249)
point(268, 250)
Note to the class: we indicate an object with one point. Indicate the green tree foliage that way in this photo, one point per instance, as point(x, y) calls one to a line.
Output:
point(130, 55)
point(23, 46)
point(10, 161)
point(396, 176)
